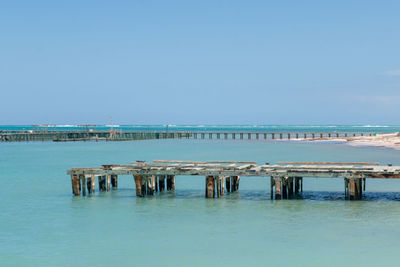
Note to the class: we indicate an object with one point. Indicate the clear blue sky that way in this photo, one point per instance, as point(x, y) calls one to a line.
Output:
point(200, 62)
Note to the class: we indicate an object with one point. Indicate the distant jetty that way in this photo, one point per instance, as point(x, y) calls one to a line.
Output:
point(119, 135)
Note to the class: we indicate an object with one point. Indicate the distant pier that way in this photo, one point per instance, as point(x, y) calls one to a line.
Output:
point(118, 135)
point(223, 177)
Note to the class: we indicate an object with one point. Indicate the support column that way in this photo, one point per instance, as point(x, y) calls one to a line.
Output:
point(170, 182)
point(223, 186)
point(89, 185)
point(144, 186)
point(272, 184)
point(161, 183)
point(75, 185)
point(150, 185)
point(156, 183)
point(138, 183)
point(108, 182)
point(93, 185)
point(365, 181)
point(277, 182)
point(218, 186)
point(290, 187)
point(233, 184)
point(358, 183)
point(210, 187)
point(228, 184)
point(352, 189)
point(284, 188)
point(301, 184)
point(102, 183)
point(114, 181)
point(82, 178)
point(296, 185)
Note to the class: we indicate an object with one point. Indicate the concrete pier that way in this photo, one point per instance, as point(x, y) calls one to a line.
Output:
point(223, 177)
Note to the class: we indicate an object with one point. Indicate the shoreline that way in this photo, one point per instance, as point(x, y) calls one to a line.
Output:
point(389, 140)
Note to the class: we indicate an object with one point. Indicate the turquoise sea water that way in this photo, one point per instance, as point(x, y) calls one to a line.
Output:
point(41, 223)
point(224, 128)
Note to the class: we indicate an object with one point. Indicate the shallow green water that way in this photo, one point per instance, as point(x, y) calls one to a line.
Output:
point(41, 223)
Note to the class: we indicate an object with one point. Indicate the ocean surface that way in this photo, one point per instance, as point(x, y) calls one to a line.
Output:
point(42, 224)
point(221, 128)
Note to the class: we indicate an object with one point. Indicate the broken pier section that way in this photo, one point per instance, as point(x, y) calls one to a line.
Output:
point(224, 176)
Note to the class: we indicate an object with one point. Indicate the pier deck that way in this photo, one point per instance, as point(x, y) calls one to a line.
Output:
point(286, 179)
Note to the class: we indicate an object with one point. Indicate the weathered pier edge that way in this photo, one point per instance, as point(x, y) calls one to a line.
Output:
point(224, 176)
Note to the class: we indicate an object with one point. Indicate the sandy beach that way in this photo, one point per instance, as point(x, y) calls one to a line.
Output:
point(389, 140)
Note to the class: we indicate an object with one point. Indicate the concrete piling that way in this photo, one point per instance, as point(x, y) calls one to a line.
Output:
point(278, 185)
point(272, 184)
point(284, 188)
point(170, 182)
point(235, 183)
point(114, 181)
point(290, 187)
point(93, 184)
point(89, 185)
point(82, 179)
point(296, 185)
point(161, 183)
point(138, 184)
point(102, 183)
point(108, 182)
point(150, 185)
point(355, 188)
point(228, 184)
point(210, 187)
point(218, 186)
point(223, 186)
point(76, 185)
